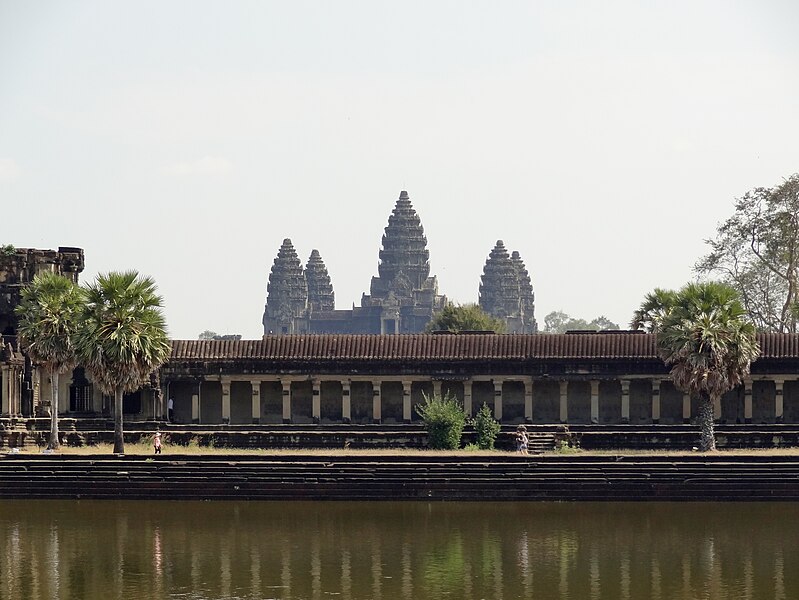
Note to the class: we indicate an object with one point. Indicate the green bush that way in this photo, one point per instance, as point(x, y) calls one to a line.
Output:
point(444, 420)
point(486, 427)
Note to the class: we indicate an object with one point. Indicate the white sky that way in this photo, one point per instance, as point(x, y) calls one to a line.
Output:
point(603, 140)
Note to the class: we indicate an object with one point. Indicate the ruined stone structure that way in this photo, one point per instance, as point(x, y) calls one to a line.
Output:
point(402, 298)
point(23, 391)
point(506, 291)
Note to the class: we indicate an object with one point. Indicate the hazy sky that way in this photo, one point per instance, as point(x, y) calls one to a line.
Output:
point(602, 140)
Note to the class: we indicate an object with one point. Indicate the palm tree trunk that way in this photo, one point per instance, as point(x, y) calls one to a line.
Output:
point(707, 442)
point(53, 443)
point(119, 441)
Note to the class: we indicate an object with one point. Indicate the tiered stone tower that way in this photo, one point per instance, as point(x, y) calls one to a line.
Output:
point(403, 297)
point(286, 294)
point(506, 291)
point(320, 290)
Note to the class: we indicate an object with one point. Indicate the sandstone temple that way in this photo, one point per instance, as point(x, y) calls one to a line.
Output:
point(403, 297)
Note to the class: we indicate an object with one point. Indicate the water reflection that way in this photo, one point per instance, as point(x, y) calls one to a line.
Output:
point(310, 550)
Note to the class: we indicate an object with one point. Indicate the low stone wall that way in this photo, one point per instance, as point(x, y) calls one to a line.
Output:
point(399, 477)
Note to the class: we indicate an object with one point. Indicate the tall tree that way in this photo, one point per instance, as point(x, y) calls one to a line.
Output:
point(756, 251)
point(123, 338)
point(48, 313)
point(705, 335)
point(465, 317)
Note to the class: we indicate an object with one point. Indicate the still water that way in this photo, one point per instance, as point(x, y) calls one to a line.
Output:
point(160, 549)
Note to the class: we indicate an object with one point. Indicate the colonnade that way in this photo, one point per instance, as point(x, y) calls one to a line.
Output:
point(569, 401)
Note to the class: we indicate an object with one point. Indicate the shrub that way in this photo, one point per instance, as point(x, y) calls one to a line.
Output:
point(444, 420)
point(486, 427)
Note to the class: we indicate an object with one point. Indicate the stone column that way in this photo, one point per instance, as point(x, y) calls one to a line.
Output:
point(747, 400)
point(686, 408)
point(225, 381)
point(195, 403)
point(779, 384)
point(316, 401)
point(255, 384)
point(437, 387)
point(528, 400)
point(467, 397)
point(594, 401)
point(498, 399)
point(286, 383)
point(656, 401)
point(406, 401)
point(625, 400)
point(346, 404)
point(564, 401)
point(4, 393)
point(377, 402)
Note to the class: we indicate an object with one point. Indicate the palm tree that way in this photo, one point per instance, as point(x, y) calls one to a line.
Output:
point(48, 314)
point(706, 337)
point(123, 338)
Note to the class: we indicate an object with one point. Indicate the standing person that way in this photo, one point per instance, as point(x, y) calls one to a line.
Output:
point(170, 409)
point(157, 442)
point(522, 440)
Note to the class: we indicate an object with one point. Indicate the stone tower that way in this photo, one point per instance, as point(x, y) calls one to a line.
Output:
point(320, 290)
point(506, 292)
point(403, 297)
point(286, 294)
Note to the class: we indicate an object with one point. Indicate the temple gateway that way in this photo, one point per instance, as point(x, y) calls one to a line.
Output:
point(403, 297)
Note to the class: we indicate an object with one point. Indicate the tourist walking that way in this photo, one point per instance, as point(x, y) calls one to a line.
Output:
point(522, 440)
point(170, 409)
point(157, 442)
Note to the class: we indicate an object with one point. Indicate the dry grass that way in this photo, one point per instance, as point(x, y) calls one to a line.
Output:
point(195, 449)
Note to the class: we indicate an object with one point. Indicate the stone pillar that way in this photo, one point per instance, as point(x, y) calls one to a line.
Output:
point(316, 401)
point(346, 405)
point(255, 384)
point(437, 387)
point(498, 399)
point(528, 400)
point(467, 397)
point(778, 400)
point(594, 401)
point(747, 400)
point(225, 400)
point(406, 401)
point(564, 401)
point(625, 400)
point(656, 401)
point(686, 408)
point(286, 383)
point(377, 402)
point(195, 403)
point(5, 408)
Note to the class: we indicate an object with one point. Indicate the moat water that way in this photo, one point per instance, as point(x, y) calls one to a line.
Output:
point(314, 550)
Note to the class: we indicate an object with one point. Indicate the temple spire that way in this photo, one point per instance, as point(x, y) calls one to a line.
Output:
point(286, 292)
point(506, 291)
point(320, 290)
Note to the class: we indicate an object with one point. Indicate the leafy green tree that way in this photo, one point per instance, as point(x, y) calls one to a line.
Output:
point(48, 313)
point(208, 335)
point(560, 322)
point(756, 251)
point(486, 427)
point(444, 420)
point(708, 340)
point(123, 338)
point(653, 310)
point(465, 317)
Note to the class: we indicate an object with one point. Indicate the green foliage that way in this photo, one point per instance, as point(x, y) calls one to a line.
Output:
point(756, 251)
point(559, 322)
point(49, 318)
point(471, 447)
point(7, 250)
point(208, 335)
point(486, 427)
point(444, 420)
point(123, 337)
point(705, 335)
point(465, 317)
